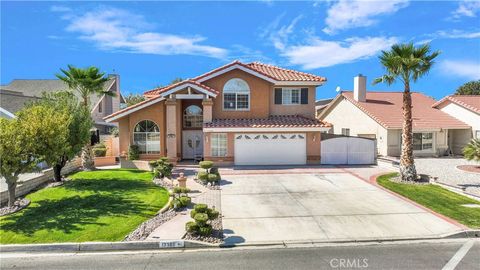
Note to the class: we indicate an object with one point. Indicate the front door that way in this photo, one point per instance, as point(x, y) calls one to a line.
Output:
point(192, 144)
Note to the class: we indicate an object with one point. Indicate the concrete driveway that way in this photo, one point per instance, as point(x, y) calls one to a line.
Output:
point(319, 207)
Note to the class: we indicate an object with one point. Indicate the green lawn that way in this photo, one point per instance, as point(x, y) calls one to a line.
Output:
point(438, 199)
point(103, 205)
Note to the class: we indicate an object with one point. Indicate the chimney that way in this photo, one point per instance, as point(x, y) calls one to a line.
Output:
point(360, 88)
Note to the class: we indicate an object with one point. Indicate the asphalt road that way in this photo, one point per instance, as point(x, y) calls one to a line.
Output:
point(413, 255)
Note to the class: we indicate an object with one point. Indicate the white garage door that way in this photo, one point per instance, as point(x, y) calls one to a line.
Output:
point(270, 149)
point(347, 151)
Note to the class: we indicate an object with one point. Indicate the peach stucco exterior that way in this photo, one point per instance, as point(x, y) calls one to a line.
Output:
point(168, 115)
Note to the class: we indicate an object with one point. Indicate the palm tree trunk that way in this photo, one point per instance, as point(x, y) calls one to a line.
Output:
point(87, 158)
point(407, 165)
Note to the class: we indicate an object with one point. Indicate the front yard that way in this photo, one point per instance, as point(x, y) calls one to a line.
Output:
point(438, 199)
point(102, 205)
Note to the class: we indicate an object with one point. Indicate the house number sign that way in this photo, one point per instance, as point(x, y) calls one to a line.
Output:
point(171, 244)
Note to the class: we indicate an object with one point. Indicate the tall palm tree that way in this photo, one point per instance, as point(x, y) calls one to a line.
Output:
point(86, 82)
point(406, 63)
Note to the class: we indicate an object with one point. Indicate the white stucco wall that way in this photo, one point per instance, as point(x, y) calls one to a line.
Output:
point(347, 115)
point(470, 118)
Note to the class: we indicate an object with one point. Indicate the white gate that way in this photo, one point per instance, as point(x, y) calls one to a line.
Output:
point(347, 151)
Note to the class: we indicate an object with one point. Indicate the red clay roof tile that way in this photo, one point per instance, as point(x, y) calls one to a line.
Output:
point(278, 121)
point(470, 102)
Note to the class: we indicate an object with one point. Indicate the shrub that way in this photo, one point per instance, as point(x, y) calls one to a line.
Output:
point(201, 208)
point(133, 152)
point(213, 214)
point(472, 150)
point(214, 170)
point(203, 176)
point(205, 230)
point(162, 167)
point(201, 219)
point(99, 150)
point(180, 202)
point(213, 177)
point(206, 165)
point(191, 227)
point(181, 190)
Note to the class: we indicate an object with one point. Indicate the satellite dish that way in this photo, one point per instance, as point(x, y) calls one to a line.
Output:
point(337, 89)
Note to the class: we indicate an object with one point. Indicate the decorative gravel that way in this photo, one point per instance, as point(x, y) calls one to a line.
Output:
point(217, 233)
point(165, 182)
point(147, 227)
point(445, 171)
point(424, 180)
point(54, 184)
point(18, 205)
point(208, 185)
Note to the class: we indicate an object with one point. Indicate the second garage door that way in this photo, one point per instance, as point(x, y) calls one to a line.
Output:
point(270, 149)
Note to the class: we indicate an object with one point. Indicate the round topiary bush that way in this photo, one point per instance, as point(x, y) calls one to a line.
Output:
point(201, 208)
point(185, 201)
point(213, 214)
point(202, 176)
point(191, 227)
point(205, 230)
point(99, 150)
point(213, 178)
point(206, 165)
point(201, 219)
point(133, 152)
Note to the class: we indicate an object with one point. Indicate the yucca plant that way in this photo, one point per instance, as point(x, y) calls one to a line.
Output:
point(472, 150)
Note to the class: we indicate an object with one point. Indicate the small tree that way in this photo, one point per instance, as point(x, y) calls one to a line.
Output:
point(133, 99)
point(78, 128)
point(472, 150)
point(469, 88)
point(32, 137)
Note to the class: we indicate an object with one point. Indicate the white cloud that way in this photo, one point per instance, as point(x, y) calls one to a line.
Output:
point(461, 68)
point(450, 34)
point(466, 9)
point(119, 30)
point(346, 14)
point(321, 53)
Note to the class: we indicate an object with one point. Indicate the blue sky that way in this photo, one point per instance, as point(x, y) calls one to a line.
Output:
point(151, 43)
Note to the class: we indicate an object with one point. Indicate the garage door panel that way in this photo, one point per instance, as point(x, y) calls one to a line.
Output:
point(270, 149)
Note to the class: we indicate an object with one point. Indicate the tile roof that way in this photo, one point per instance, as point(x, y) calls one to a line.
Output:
point(283, 74)
point(470, 102)
point(278, 121)
point(158, 91)
point(386, 109)
point(270, 71)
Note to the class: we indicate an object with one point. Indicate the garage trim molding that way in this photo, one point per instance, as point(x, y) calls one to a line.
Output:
point(266, 129)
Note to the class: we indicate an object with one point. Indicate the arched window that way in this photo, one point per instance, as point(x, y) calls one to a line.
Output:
point(236, 95)
point(146, 135)
point(192, 117)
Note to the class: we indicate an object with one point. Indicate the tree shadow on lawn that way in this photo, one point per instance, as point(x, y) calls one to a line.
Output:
point(112, 185)
point(71, 213)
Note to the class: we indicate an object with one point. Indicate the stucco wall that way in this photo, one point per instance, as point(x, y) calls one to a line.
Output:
point(470, 118)
point(307, 110)
point(440, 143)
point(259, 96)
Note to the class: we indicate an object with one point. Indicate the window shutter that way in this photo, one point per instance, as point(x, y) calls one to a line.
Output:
point(278, 95)
point(304, 96)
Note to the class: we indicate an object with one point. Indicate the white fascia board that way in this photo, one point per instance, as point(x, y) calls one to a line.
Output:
point(242, 68)
point(183, 86)
point(146, 104)
point(9, 114)
point(255, 130)
point(295, 83)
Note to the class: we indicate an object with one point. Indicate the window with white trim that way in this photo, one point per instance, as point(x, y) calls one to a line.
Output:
point(236, 95)
point(192, 117)
point(290, 96)
point(422, 141)
point(218, 144)
point(146, 135)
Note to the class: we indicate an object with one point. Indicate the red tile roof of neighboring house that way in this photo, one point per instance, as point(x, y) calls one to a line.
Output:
point(270, 71)
point(470, 102)
point(161, 90)
point(279, 121)
point(386, 109)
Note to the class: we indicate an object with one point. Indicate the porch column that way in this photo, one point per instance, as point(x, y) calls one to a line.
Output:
point(207, 110)
point(171, 119)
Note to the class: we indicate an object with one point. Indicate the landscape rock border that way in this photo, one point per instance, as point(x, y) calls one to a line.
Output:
point(18, 205)
point(215, 238)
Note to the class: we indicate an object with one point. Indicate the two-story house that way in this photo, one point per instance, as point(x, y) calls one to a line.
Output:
point(18, 92)
point(242, 114)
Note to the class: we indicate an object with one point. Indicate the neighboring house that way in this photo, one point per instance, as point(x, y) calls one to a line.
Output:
point(236, 114)
point(379, 115)
point(15, 95)
point(465, 108)
point(321, 104)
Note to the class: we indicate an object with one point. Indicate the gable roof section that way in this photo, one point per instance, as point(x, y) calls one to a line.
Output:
point(470, 102)
point(119, 114)
point(181, 85)
point(283, 74)
point(386, 109)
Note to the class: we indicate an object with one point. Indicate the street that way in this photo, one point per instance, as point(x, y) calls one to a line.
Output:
point(439, 254)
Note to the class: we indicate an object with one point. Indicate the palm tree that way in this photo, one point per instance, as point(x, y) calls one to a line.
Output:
point(86, 82)
point(407, 63)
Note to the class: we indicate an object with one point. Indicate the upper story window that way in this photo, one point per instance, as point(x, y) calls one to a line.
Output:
point(291, 96)
point(236, 95)
point(192, 117)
